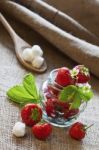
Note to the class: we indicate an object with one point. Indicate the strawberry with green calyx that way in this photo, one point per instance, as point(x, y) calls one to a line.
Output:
point(63, 77)
point(78, 130)
point(31, 114)
point(42, 130)
point(80, 74)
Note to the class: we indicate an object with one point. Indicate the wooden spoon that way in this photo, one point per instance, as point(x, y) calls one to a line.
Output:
point(20, 45)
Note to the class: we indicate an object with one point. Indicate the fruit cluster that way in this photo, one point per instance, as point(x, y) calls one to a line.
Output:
point(63, 78)
point(54, 107)
point(31, 114)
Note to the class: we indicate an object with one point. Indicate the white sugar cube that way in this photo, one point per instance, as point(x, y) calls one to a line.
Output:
point(19, 129)
point(37, 51)
point(27, 55)
point(38, 61)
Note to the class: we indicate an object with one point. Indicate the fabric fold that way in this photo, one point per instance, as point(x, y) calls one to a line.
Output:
point(60, 19)
point(86, 12)
point(77, 49)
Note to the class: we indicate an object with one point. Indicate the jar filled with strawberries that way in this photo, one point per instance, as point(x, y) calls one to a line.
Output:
point(65, 95)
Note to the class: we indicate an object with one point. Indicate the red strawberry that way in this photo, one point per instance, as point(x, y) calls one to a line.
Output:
point(63, 77)
point(42, 131)
point(53, 105)
point(69, 113)
point(77, 131)
point(61, 106)
point(81, 73)
point(49, 107)
point(31, 114)
point(53, 90)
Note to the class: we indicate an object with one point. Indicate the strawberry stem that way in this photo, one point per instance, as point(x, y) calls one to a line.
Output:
point(42, 122)
point(89, 126)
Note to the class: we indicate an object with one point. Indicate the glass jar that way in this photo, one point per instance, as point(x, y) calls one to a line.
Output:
point(56, 112)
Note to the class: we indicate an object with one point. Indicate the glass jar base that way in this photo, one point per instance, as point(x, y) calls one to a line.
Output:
point(58, 122)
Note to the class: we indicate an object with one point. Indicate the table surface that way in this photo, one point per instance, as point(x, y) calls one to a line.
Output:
point(11, 73)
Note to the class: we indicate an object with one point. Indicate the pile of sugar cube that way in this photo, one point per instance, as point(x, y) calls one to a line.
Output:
point(34, 55)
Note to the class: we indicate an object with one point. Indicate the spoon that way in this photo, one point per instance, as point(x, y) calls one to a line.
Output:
point(20, 45)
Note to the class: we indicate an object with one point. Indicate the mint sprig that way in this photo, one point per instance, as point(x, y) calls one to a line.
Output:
point(76, 95)
point(25, 93)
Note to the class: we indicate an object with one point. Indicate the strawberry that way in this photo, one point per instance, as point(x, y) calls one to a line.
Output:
point(63, 77)
point(31, 114)
point(53, 105)
point(49, 107)
point(61, 106)
point(77, 131)
point(42, 130)
point(64, 107)
point(70, 113)
point(81, 74)
point(53, 90)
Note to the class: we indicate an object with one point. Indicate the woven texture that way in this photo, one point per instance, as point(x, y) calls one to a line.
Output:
point(11, 73)
point(82, 51)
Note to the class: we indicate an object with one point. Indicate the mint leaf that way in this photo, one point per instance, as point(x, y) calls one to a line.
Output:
point(85, 93)
point(26, 93)
point(76, 101)
point(76, 95)
point(19, 95)
point(68, 93)
point(30, 86)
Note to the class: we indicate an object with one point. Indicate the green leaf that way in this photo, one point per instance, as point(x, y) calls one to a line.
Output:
point(68, 93)
point(30, 86)
point(26, 93)
point(76, 95)
point(85, 93)
point(19, 95)
point(76, 101)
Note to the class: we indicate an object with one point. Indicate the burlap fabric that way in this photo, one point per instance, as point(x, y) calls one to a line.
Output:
point(11, 73)
point(73, 46)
